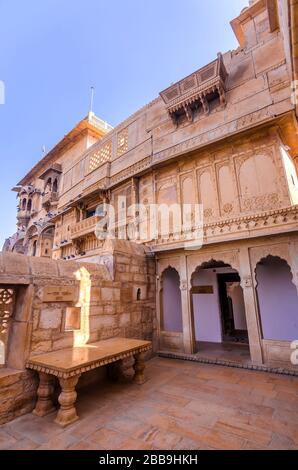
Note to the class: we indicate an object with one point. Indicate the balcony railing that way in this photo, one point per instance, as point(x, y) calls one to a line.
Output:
point(84, 227)
point(50, 198)
point(23, 214)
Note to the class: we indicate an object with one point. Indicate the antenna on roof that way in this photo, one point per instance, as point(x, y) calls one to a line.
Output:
point(91, 100)
point(43, 149)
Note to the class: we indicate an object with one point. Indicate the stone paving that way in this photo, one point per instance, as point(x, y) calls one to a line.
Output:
point(183, 405)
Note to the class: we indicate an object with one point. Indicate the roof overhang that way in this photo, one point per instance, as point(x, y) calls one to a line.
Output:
point(250, 12)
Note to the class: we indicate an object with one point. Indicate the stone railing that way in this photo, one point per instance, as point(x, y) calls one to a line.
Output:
point(84, 227)
point(23, 214)
point(50, 198)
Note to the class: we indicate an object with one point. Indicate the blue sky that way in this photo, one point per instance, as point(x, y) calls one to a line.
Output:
point(52, 51)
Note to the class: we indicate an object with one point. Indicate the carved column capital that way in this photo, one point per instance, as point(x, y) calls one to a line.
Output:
point(246, 282)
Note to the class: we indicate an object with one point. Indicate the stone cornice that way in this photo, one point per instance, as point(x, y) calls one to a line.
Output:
point(254, 225)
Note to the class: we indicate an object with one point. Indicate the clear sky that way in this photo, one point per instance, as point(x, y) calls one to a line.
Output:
point(52, 51)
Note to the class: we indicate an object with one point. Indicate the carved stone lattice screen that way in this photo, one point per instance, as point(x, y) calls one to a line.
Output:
point(7, 298)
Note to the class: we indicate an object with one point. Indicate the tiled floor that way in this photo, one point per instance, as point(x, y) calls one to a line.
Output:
point(237, 352)
point(183, 405)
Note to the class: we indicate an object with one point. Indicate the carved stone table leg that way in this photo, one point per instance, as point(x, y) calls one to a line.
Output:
point(44, 404)
point(67, 413)
point(139, 367)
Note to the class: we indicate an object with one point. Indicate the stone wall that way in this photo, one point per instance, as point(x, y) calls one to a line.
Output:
point(60, 304)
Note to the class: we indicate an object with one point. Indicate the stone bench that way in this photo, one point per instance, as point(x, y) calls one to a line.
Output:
point(69, 364)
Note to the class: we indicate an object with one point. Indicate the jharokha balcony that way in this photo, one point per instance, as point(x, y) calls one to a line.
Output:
point(50, 198)
point(23, 215)
point(84, 227)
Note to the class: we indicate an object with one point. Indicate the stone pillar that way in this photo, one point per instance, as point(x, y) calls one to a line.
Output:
point(293, 248)
point(251, 309)
point(188, 337)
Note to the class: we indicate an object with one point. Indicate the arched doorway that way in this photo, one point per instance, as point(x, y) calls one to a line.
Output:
point(46, 241)
point(277, 299)
point(218, 310)
point(34, 248)
point(171, 325)
point(171, 308)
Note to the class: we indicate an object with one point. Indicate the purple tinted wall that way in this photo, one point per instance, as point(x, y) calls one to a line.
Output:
point(206, 308)
point(278, 300)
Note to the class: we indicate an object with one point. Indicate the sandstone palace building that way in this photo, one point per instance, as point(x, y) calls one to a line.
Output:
point(226, 137)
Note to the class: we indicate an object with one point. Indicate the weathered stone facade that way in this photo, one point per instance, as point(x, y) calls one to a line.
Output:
point(224, 137)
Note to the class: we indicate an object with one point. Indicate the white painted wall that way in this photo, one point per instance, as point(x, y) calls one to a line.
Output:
point(206, 308)
point(236, 295)
point(278, 302)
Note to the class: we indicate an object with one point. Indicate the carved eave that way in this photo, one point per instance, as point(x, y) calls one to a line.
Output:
point(55, 168)
point(196, 91)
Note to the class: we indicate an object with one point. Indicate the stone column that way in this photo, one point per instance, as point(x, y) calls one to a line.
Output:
point(67, 413)
point(188, 339)
point(44, 404)
point(251, 309)
point(293, 247)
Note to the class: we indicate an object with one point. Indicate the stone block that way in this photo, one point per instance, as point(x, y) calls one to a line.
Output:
point(50, 318)
point(110, 309)
point(68, 269)
point(95, 294)
point(43, 267)
point(268, 55)
point(66, 342)
point(16, 264)
point(42, 346)
point(124, 319)
point(241, 71)
point(97, 323)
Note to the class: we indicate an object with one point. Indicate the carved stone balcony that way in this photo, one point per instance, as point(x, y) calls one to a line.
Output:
point(84, 227)
point(23, 217)
point(196, 91)
point(49, 199)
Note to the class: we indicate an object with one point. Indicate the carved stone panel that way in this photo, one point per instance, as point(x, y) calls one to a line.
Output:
point(258, 181)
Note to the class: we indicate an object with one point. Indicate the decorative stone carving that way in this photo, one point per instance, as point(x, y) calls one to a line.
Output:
point(230, 258)
point(196, 90)
point(6, 308)
point(246, 282)
point(280, 250)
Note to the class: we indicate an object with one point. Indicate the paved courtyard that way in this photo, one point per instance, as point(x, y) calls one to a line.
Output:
point(183, 405)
